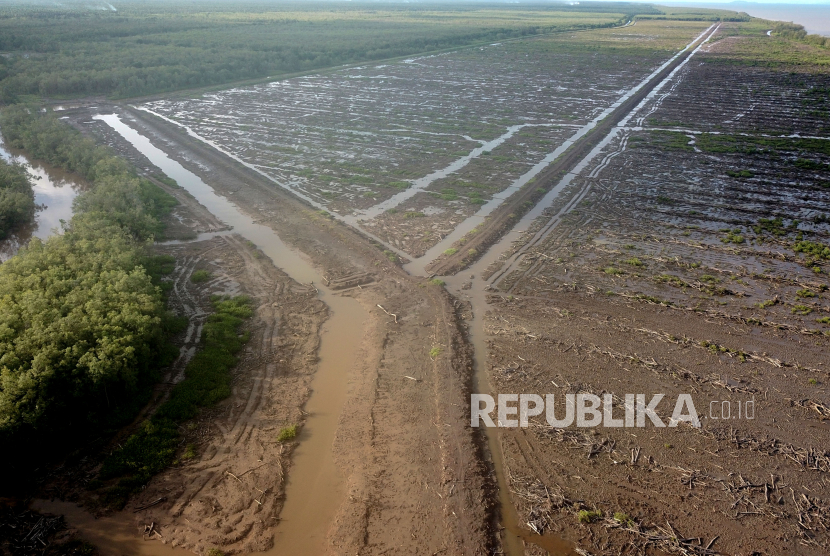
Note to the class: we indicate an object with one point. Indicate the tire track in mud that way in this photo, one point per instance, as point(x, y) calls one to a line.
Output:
point(516, 260)
point(240, 469)
point(648, 96)
point(386, 485)
point(568, 165)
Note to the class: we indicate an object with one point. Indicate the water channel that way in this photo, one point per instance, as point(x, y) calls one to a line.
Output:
point(315, 487)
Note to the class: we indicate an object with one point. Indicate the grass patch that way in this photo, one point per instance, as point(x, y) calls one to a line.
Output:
point(733, 237)
point(802, 310)
point(207, 381)
point(435, 352)
point(669, 279)
point(813, 250)
point(200, 276)
point(588, 516)
point(622, 518)
point(634, 261)
point(451, 251)
point(612, 271)
point(287, 433)
point(437, 282)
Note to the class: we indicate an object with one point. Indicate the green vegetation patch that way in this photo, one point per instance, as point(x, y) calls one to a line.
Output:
point(17, 198)
point(207, 380)
point(813, 250)
point(68, 50)
point(83, 325)
point(775, 227)
point(200, 276)
point(287, 434)
point(589, 516)
point(671, 140)
point(751, 144)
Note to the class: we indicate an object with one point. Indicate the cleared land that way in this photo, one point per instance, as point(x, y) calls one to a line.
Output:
point(409, 150)
point(688, 257)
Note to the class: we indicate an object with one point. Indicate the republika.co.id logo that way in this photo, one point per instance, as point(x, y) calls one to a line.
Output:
point(586, 410)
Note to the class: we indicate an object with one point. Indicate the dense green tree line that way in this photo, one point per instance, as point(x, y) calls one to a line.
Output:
point(82, 317)
point(17, 200)
point(143, 48)
point(797, 32)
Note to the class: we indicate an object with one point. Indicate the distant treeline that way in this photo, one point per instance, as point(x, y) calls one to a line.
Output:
point(82, 316)
point(17, 199)
point(142, 49)
point(797, 32)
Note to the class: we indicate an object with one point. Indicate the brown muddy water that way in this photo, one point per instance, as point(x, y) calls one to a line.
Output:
point(54, 192)
point(315, 487)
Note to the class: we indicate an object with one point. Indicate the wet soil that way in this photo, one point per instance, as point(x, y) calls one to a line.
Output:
point(653, 273)
point(407, 458)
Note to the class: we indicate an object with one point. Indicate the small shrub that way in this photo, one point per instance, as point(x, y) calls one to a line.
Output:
point(189, 452)
point(451, 251)
point(622, 518)
point(802, 310)
point(613, 271)
point(733, 237)
point(673, 280)
point(768, 303)
point(436, 282)
point(812, 381)
point(823, 320)
point(287, 433)
point(435, 352)
point(588, 516)
point(804, 294)
point(634, 261)
point(200, 276)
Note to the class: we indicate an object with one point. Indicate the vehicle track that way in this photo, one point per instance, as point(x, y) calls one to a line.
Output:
point(581, 152)
point(619, 128)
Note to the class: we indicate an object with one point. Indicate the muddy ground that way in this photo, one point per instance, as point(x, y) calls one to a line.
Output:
point(669, 273)
point(410, 462)
point(662, 268)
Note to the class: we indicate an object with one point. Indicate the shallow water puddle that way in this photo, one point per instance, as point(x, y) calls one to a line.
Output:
point(54, 192)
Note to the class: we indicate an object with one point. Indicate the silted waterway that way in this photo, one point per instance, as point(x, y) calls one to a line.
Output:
point(315, 487)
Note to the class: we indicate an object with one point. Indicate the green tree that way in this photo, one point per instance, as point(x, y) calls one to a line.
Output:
point(17, 200)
